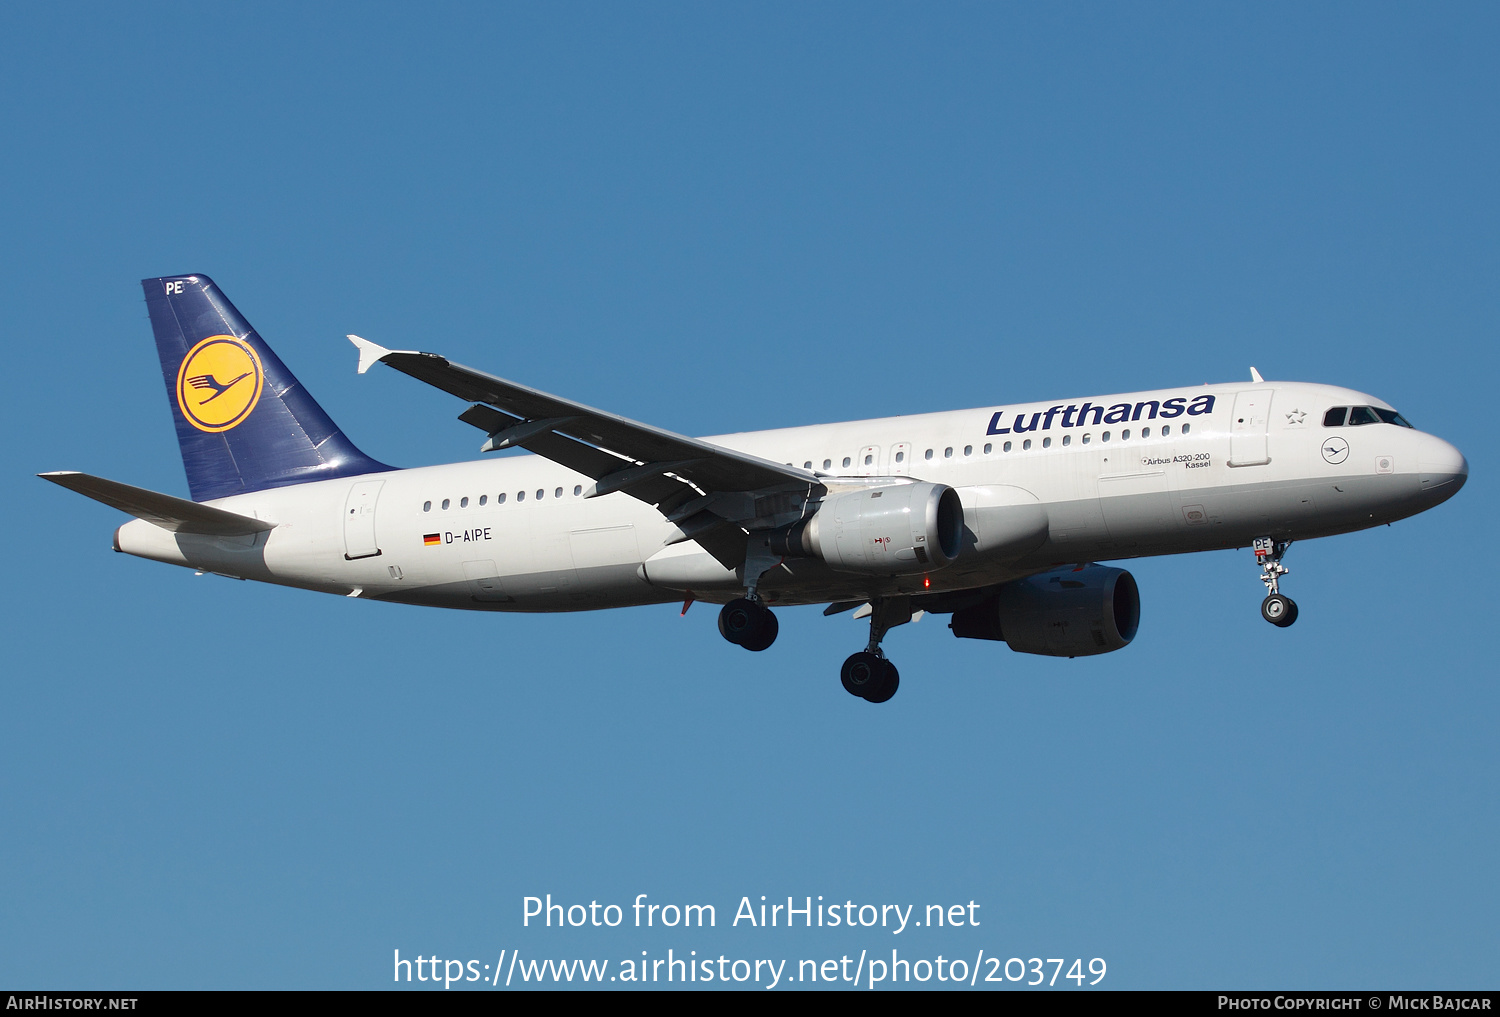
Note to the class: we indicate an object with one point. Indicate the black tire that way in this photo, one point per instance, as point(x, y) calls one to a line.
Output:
point(766, 634)
point(888, 686)
point(862, 673)
point(1291, 615)
point(739, 620)
point(1279, 610)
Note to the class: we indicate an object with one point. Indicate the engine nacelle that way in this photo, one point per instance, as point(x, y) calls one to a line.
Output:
point(903, 529)
point(1060, 614)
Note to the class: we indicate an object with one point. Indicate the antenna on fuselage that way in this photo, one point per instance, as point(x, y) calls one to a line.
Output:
point(1255, 376)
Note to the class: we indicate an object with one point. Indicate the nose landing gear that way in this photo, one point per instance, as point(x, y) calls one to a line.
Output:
point(1278, 609)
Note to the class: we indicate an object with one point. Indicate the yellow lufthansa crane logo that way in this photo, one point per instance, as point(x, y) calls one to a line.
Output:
point(219, 383)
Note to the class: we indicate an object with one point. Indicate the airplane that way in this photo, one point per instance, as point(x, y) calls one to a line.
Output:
point(996, 516)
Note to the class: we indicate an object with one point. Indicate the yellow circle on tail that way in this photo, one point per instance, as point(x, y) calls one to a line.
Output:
point(219, 383)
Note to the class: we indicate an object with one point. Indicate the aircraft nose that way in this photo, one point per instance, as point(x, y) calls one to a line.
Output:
point(1442, 468)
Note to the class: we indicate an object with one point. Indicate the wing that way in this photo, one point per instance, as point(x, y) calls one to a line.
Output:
point(713, 494)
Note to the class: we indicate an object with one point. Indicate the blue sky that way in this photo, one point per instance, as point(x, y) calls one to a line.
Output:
point(719, 218)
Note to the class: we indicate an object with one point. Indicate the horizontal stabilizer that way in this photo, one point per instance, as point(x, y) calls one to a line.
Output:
point(176, 514)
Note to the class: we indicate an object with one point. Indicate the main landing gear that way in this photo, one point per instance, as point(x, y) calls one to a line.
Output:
point(747, 621)
point(868, 674)
point(1278, 609)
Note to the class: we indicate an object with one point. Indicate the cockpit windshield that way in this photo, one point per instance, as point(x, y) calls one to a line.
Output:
point(1353, 416)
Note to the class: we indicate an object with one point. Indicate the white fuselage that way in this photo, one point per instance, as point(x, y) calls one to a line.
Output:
point(1113, 477)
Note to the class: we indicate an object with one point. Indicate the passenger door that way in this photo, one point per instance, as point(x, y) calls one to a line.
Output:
point(1248, 427)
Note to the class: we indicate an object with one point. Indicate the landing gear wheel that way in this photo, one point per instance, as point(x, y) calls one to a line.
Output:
point(862, 673)
point(888, 686)
point(1279, 610)
point(870, 677)
point(769, 627)
point(748, 624)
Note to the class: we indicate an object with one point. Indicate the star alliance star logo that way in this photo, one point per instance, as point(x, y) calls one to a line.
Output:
point(1296, 417)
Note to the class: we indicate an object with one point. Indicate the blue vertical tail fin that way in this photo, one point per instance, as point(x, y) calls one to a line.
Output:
point(243, 420)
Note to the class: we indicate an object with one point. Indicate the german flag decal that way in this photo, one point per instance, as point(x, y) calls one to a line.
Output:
point(429, 539)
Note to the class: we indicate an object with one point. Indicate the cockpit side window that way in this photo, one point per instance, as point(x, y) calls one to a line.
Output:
point(1335, 416)
point(1362, 415)
point(1391, 417)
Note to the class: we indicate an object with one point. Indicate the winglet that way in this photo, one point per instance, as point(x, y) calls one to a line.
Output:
point(369, 353)
point(1254, 374)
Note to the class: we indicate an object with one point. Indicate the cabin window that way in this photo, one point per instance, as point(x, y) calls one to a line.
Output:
point(1046, 443)
point(846, 462)
point(427, 506)
point(557, 493)
point(1145, 432)
point(869, 460)
point(1087, 438)
point(1005, 447)
point(948, 452)
point(483, 498)
point(1186, 428)
point(445, 504)
point(827, 464)
point(928, 454)
point(1104, 436)
point(900, 457)
point(1067, 439)
point(1026, 445)
point(988, 448)
point(540, 494)
point(520, 496)
point(500, 498)
point(807, 465)
point(1125, 434)
point(968, 450)
point(463, 502)
point(1166, 429)
point(577, 490)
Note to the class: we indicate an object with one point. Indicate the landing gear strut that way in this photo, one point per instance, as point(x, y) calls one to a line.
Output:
point(868, 674)
point(1278, 609)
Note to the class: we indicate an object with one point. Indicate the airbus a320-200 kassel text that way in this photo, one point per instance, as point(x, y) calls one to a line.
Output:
point(995, 516)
